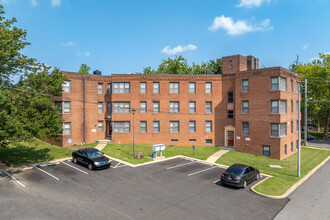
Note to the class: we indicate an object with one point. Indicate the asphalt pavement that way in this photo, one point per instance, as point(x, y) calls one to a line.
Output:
point(311, 200)
point(173, 189)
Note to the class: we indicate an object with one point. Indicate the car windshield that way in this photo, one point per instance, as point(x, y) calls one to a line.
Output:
point(95, 154)
point(235, 170)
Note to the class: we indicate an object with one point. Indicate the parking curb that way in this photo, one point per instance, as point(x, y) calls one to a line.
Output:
point(295, 186)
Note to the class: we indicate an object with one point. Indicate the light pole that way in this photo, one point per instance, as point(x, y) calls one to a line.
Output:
point(133, 111)
point(299, 136)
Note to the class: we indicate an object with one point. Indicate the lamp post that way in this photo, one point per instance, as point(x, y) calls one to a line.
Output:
point(299, 136)
point(133, 111)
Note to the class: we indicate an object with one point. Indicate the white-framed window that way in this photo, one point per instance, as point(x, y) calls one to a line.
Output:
point(230, 64)
point(66, 86)
point(230, 114)
point(208, 141)
point(174, 126)
point(100, 126)
point(143, 107)
point(245, 128)
point(208, 88)
point(174, 107)
point(266, 150)
point(156, 128)
point(155, 107)
point(155, 88)
point(121, 127)
point(278, 130)
point(278, 83)
point(208, 107)
point(67, 128)
point(245, 85)
point(109, 88)
point(100, 107)
point(208, 126)
point(245, 106)
point(108, 107)
point(100, 88)
point(143, 87)
point(192, 107)
point(143, 127)
point(121, 87)
point(192, 126)
point(192, 88)
point(121, 107)
point(278, 106)
point(66, 107)
point(174, 87)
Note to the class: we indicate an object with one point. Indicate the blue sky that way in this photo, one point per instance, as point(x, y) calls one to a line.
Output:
point(124, 36)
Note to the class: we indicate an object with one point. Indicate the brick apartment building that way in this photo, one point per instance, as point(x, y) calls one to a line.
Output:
point(254, 110)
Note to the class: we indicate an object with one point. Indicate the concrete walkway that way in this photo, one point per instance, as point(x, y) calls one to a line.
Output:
point(101, 144)
point(214, 157)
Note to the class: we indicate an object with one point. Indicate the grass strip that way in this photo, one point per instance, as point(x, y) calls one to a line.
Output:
point(125, 152)
point(283, 178)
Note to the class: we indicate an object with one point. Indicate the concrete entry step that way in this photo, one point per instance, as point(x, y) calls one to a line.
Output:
point(104, 141)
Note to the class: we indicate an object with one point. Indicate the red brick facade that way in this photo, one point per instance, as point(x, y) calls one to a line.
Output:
point(258, 114)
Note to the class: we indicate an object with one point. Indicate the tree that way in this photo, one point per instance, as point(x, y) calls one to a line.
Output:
point(177, 65)
point(317, 74)
point(12, 40)
point(26, 108)
point(84, 69)
point(215, 65)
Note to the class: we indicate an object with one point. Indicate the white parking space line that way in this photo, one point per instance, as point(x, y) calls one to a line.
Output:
point(180, 165)
point(216, 181)
point(74, 167)
point(191, 174)
point(46, 173)
point(124, 165)
point(15, 179)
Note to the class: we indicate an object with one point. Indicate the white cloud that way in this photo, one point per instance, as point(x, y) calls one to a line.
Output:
point(251, 3)
point(68, 44)
point(240, 26)
point(305, 47)
point(86, 53)
point(56, 3)
point(34, 3)
point(178, 49)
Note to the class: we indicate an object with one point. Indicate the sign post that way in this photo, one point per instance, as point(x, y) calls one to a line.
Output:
point(69, 140)
point(193, 147)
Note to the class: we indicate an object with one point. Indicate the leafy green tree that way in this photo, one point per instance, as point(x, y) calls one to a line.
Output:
point(215, 66)
point(26, 109)
point(84, 69)
point(317, 74)
point(12, 40)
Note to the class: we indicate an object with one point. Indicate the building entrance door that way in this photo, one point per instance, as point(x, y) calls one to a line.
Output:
point(230, 138)
point(109, 130)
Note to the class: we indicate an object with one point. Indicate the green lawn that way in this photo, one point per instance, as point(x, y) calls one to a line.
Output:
point(283, 178)
point(125, 152)
point(35, 151)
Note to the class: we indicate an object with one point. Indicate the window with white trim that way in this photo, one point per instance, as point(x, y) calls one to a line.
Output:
point(100, 88)
point(143, 127)
point(121, 127)
point(266, 150)
point(143, 107)
point(174, 107)
point(208, 107)
point(245, 128)
point(156, 127)
point(192, 107)
point(100, 107)
point(143, 87)
point(245, 106)
point(121, 87)
point(100, 126)
point(208, 88)
point(155, 107)
point(208, 126)
point(192, 126)
point(67, 128)
point(245, 85)
point(192, 88)
point(120, 107)
point(174, 87)
point(66, 86)
point(155, 87)
point(174, 126)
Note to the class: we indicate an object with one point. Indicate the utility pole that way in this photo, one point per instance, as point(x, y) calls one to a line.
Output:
point(299, 136)
point(306, 130)
point(133, 111)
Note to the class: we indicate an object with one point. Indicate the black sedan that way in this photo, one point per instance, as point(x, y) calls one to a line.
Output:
point(91, 157)
point(239, 175)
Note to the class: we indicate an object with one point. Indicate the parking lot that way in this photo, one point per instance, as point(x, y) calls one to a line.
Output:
point(173, 189)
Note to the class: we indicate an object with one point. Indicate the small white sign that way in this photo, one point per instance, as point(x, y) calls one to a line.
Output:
point(93, 130)
point(238, 137)
point(248, 139)
point(70, 140)
point(108, 116)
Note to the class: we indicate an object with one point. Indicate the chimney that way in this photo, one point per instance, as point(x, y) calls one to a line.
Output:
point(256, 63)
point(252, 63)
point(97, 72)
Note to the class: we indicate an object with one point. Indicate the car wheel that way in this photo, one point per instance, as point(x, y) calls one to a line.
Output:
point(90, 166)
point(245, 184)
point(258, 176)
point(75, 160)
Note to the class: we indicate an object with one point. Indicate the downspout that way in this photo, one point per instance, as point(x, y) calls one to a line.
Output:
point(84, 113)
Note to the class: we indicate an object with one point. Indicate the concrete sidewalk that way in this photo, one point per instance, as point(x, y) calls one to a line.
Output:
point(214, 157)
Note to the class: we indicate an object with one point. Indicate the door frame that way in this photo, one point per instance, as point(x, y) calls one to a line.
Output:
point(228, 128)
